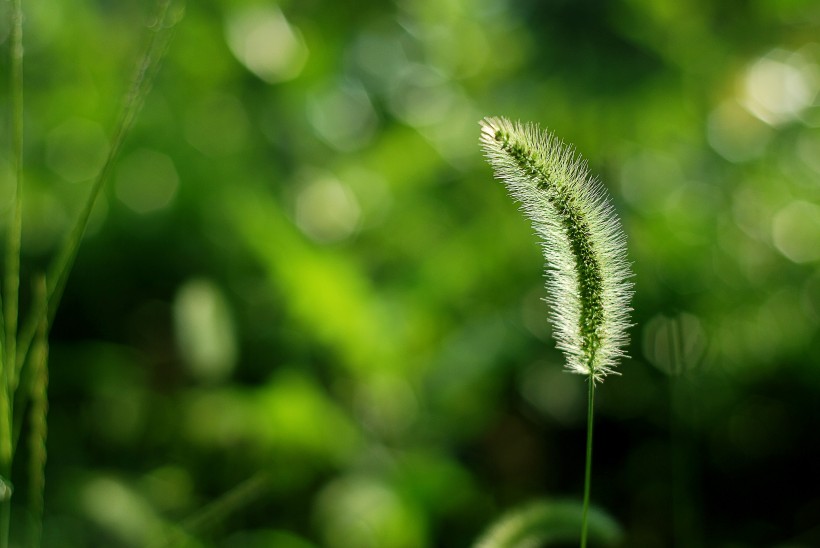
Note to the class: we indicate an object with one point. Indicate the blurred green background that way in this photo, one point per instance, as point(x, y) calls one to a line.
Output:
point(304, 288)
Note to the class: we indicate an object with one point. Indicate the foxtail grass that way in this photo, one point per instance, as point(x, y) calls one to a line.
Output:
point(585, 250)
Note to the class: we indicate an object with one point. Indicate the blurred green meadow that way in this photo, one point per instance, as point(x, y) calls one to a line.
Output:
point(304, 314)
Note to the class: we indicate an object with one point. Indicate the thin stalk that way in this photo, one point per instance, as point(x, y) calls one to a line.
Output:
point(215, 512)
point(12, 279)
point(588, 469)
point(39, 426)
point(30, 373)
point(684, 513)
point(676, 366)
point(11, 283)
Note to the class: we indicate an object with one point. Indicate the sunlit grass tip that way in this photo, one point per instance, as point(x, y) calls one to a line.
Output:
point(585, 249)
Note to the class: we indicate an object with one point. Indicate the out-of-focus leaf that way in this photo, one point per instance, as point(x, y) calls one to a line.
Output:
point(547, 522)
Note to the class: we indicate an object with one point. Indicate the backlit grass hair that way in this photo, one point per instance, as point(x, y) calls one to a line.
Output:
point(585, 249)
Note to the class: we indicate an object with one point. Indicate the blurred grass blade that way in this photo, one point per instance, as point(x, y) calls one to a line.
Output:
point(37, 422)
point(11, 283)
point(168, 14)
point(241, 495)
point(141, 84)
point(12, 278)
point(28, 376)
point(546, 522)
point(216, 512)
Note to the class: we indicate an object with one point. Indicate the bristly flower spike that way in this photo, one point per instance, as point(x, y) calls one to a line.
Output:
point(585, 249)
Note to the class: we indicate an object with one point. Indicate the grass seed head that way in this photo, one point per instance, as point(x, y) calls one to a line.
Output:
point(585, 249)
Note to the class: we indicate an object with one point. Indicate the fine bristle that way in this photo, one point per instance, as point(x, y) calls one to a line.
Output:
point(585, 249)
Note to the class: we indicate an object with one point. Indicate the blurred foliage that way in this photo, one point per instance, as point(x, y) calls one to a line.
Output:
point(549, 523)
point(303, 269)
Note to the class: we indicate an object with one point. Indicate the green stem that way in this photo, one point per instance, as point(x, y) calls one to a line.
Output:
point(588, 470)
point(5, 522)
point(12, 279)
point(215, 512)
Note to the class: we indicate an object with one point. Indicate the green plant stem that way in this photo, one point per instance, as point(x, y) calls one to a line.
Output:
point(28, 376)
point(588, 468)
point(39, 426)
point(11, 282)
point(5, 522)
point(12, 278)
point(215, 512)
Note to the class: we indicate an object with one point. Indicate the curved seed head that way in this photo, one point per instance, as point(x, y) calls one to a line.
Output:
point(584, 246)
